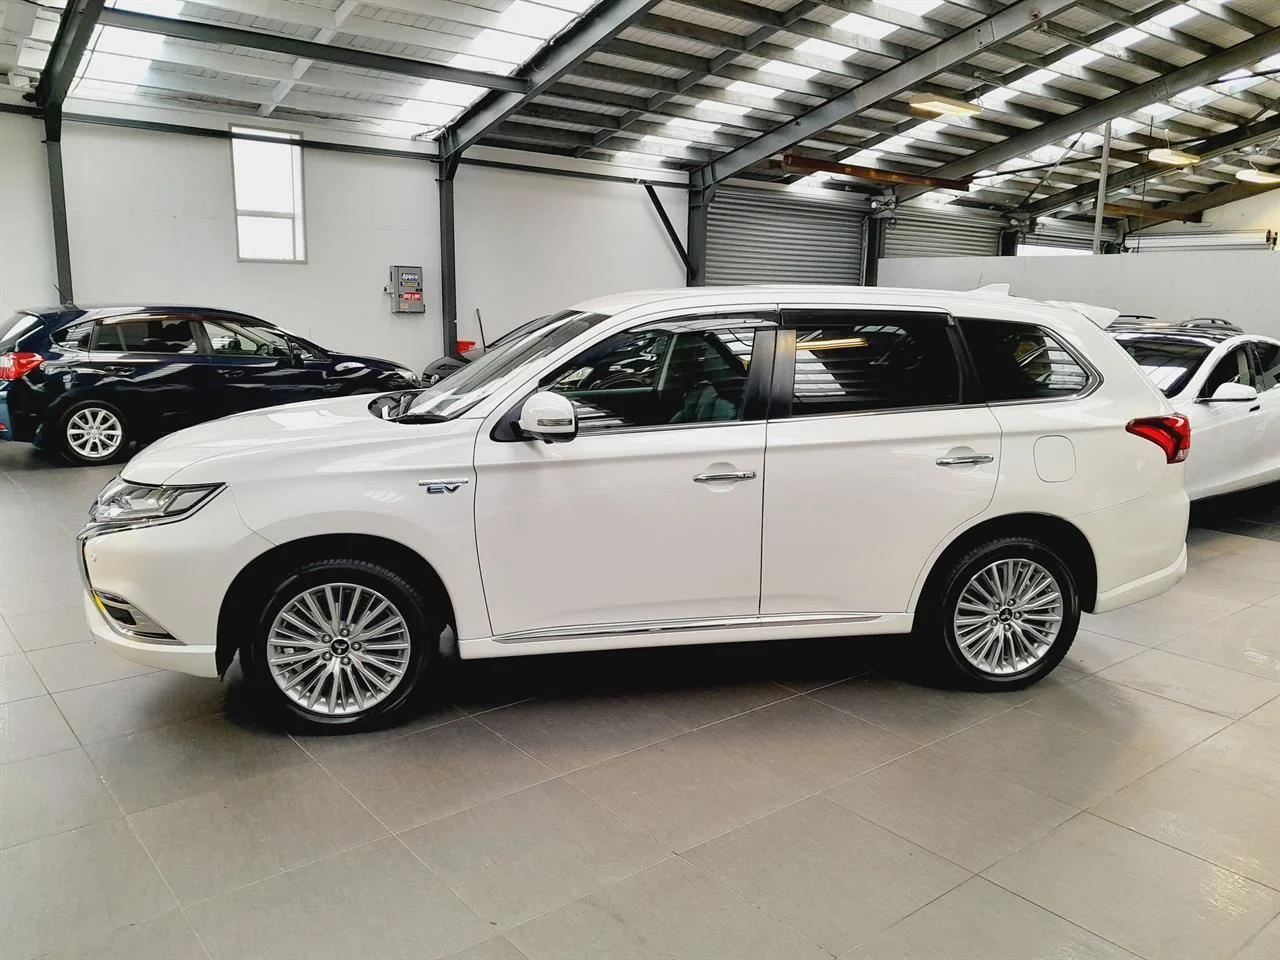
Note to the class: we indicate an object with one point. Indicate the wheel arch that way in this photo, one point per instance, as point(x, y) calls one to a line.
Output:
point(259, 575)
point(1063, 536)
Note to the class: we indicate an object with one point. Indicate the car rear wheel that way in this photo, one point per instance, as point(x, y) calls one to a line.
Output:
point(93, 433)
point(1003, 616)
point(341, 644)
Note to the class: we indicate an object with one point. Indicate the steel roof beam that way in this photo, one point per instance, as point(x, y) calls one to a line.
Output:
point(204, 32)
point(594, 30)
point(74, 32)
point(1012, 20)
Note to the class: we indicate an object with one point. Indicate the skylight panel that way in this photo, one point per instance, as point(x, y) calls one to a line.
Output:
point(442, 91)
point(1041, 76)
point(534, 19)
point(867, 27)
point(1126, 38)
point(824, 48)
point(685, 125)
point(429, 114)
point(723, 107)
point(789, 69)
point(864, 156)
point(666, 141)
point(1082, 57)
point(1174, 16)
point(918, 7)
point(755, 89)
point(507, 47)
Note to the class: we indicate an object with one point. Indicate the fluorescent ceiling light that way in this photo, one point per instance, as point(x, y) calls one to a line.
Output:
point(755, 89)
point(1173, 17)
point(936, 103)
point(1251, 175)
point(534, 19)
point(857, 23)
point(789, 69)
point(824, 48)
point(1178, 158)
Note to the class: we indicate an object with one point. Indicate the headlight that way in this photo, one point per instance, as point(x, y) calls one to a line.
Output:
point(134, 504)
point(407, 374)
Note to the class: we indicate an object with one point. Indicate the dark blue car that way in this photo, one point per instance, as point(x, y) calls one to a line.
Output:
point(89, 382)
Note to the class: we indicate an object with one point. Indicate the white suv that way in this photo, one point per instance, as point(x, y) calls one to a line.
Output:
point(691, 466)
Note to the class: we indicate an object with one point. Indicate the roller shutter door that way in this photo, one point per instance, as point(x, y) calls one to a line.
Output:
point(921, 232)
point(766, 236)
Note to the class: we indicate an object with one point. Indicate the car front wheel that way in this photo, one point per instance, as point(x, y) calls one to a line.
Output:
point(1006, 614)
point(341, 643)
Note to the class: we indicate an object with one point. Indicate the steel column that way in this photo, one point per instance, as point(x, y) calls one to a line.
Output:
point(1102, 188)
point(448, 168)
point(61, 234)
point(1009, 242)
point(701, 193)
point(873, 249)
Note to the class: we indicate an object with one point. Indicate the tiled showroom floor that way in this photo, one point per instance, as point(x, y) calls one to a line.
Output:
point(769, 802)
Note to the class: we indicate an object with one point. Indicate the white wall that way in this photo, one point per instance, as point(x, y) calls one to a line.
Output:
point(28, 275)
point(151, 220)
point(529, 244)
point(1260, 212)
point(1242, 286)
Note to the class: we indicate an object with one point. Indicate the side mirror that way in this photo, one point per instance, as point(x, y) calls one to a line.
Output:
point(548, 417)
point(1232, 393)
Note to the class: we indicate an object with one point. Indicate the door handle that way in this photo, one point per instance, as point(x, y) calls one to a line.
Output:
point(964, 461)
point(232, 374)
point(1255, 409)
point(725, 477)
point(119, 371)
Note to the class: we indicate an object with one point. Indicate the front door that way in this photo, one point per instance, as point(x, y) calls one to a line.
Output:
point(256, 367)
point(1226, 437)
point(150, 367)
point(871, 462)
point(651, 514)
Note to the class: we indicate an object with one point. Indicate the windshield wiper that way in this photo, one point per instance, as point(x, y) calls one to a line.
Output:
point(418, 418)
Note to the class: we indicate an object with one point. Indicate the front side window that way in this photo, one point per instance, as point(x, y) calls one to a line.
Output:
point(230, 339)
point(152, 335)
point(1268, 355)
point(852, 362)
point(1020, 361)
point(1233, 368)
point(267, 176)
point(1169, 364)
point(671, 372)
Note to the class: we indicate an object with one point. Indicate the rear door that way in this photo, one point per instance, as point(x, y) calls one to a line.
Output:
point(150, 367)
point(256, 366)
point(873, 458)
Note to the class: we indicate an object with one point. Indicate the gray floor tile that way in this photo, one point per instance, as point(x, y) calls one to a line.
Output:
point(807, 743)
point(1194, 682)
point(668, 911)
point(32, 728)
point(951, 807)
point(1267, 715)
point(253, 829)
point(1215, 820)
point(81, 664)
point(1068, 764)
point(425, 776)
point(51, 628)
point(1243, 753)
point(574, 731)
point(682, 791)
point(1204, 544)
point(1261, 562)
point(1229, 584)
point(1091, 652)
point(1148, 897)
point(1128, 716)
point(332, 747)
point(375, 901)
point(117, 708)
point(186, 759)
point(1248, 641)
point(980, 920)
point(496, 948)
point(1164, 617)
point(1264, 946)
point(65, 888)
point(18, 679)
point(523, 855)
point(50, 794)
point(47, 596)
point(922, 714)
point(8, 642)
point(826, 872)
point(166, 938)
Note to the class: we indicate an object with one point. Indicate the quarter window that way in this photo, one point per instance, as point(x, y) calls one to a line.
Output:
point(669, 373)
point(267, 176)
point(1019, 361)
point(153, 335)
point(847, 362)
point(74, 337)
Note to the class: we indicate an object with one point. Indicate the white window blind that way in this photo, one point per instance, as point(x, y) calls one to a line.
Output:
point(267, 174)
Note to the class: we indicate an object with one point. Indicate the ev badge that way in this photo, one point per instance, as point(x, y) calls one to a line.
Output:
point(443, 486)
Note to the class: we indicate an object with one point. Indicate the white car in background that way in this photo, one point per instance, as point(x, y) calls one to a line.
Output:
point(693, 466)
point(1228, 383)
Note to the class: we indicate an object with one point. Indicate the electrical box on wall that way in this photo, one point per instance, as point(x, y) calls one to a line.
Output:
point(406, 290)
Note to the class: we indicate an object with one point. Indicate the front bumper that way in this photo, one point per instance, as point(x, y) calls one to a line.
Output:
point(178, 573)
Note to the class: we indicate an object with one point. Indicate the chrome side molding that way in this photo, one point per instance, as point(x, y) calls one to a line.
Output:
point(635, 627)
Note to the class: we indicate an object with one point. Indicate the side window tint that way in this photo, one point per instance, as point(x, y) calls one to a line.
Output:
point(229, 339)
point(153, 335)
point(74, 337)
point(1019, 361)
point(665, 374)
point(850, 362)
point(1268, 355)
point(1233, 368)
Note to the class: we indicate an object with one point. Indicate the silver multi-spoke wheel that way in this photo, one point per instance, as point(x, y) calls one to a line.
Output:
point(338, 649)
point(1008, 616)
point(94, 433)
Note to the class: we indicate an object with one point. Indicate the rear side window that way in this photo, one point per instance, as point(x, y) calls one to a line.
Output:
point(1020, 361)
point(848, 362)
point(1169, 364)
point(152, 335)
point(76, 336)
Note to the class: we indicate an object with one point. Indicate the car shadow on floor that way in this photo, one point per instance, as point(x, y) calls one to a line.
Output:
point(1250, 513)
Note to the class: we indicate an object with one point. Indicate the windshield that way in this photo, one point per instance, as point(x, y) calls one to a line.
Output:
point(499, 365)
point(1168, 363)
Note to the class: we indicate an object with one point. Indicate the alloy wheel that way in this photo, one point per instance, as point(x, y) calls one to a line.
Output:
point(1008, 616)
point(338, 649)
point(94, 433)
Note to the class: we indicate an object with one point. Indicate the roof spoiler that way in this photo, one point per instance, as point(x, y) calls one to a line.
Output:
point(1102, 316)
point(992, 290)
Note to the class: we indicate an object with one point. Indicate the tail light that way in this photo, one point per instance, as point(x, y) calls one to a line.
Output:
point(1171, 434)
point(15, 365)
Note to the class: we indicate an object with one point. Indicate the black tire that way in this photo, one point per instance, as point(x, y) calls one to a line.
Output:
point(936, 628)
point(421, 612)
point(66, 445)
